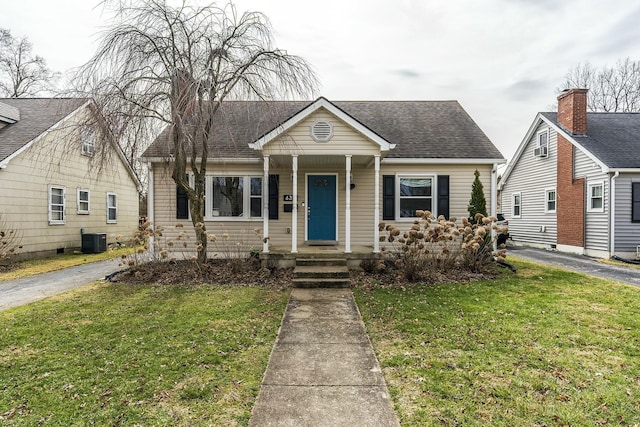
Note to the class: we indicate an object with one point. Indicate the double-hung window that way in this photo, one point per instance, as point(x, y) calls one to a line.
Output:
point(595, 192)
point(57, 204)
point(83, 201)
point(88, 137)
point(550, 200)
point(112, 208)
point(516, 205)
point(236, 197)
point(415, 193)
point(635, 202)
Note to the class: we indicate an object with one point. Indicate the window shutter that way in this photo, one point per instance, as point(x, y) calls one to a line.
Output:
point(273, 196)
point(443, 195)
point(389, 197)
point(182, 204)
point(635, 202)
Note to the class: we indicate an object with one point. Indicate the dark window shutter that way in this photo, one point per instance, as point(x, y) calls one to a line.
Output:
point(273, 196)
point(635, 202)
point(443, 195)
point(389, 197)
point(182, 204)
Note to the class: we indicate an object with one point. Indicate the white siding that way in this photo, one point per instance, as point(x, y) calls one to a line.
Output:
point(627, 232)
point(596, 223)
point(531, 176)
point(56, 160)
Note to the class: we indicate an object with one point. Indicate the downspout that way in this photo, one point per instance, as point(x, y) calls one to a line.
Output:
point(150, 203)
point(612, 214)
point(494, 201)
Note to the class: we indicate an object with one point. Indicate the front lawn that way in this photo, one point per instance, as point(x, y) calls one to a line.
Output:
point(544, 347)
point(129, 355)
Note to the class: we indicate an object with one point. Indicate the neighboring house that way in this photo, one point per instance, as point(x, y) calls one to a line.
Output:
point(327, 173)
point(57, 179)
point(574, 182)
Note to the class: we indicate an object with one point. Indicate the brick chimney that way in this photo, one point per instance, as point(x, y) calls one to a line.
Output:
point(570, 206)
point(572, 110)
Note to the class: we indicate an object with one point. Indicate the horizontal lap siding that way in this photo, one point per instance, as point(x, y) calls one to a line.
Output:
point(345, 139)
point(627, 232)
point(596, 223)
point(531, 176)
point(24, 192)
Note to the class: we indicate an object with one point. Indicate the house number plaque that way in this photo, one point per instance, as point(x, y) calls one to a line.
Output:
point(288, 197)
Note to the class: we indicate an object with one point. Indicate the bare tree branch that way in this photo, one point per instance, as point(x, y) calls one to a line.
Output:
point(163, 66)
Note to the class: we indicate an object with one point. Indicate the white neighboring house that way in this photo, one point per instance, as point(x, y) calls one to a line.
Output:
point(53, 182)
point(574, 182)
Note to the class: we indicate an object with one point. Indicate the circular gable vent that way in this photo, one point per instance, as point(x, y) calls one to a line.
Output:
point(321, 131)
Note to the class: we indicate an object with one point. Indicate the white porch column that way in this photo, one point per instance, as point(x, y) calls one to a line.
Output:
point(265, 206)
point(376, 206)
point(294, 216)
point(151, 214)
point(347, 209)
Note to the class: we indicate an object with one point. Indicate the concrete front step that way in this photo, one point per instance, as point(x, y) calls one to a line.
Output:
point(321, 273)
point(311, 282)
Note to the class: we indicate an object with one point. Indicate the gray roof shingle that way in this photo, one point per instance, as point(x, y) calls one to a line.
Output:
point(36, 116)
point(614, 138)
point(420, 129)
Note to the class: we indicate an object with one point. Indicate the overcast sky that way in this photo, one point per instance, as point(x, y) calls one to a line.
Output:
point(503, 60)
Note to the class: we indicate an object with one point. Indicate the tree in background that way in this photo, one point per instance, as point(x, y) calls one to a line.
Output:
point(160, 66)
point(478, 203)
point(611, 89)
point(21, 72)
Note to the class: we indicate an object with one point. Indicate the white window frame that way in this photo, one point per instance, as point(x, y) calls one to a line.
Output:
point(109, 208)
point(57, 221)
point(88, 138)
point(547, 192)
point(590, 198)
point(538, 135)
point(433, 197)
point(79, 201)
point(246, 197)
point(513, 205)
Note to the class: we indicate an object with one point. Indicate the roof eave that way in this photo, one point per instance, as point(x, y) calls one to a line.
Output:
point(436, 161)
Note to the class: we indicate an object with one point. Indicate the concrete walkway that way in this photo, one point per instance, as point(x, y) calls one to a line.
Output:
point(322, 370)
point(28, 289)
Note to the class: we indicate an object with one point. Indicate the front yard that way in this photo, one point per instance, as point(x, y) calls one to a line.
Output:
point(137, 355)
point(544, 347)
point(540, 348)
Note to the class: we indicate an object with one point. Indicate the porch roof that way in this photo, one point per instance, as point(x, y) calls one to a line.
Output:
point(418, 129)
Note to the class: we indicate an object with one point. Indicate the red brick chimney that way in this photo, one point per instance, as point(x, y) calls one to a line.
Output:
point(572, 115)
point(572, 110)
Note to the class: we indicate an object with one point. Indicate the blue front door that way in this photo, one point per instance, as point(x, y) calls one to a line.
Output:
point(321, 207)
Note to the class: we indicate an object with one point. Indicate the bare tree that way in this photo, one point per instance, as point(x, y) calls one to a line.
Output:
point(21, 72)
point(611, 89)
point(165, 66)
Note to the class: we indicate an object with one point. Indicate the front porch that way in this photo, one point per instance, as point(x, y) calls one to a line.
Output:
point(283, 257)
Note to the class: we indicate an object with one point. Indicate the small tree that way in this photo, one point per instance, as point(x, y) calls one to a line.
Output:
point(21, 72)
point(173, 66)
point(478, 203)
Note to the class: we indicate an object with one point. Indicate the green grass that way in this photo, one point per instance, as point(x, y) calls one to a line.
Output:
point(112, 355)
point(544, 347)
point(58, 262)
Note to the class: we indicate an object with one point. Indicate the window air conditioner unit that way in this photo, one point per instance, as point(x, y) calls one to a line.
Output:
point(540, 152)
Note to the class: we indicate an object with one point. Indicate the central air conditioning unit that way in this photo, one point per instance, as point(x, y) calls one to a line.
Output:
point(540, 152)
point(94, 243)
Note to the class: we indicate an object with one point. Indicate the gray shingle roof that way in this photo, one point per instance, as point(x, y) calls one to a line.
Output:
point(420, 129)
point(36, 116)
point(614, 138)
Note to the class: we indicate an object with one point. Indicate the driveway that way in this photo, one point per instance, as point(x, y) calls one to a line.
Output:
point(28, 289)
point(577, 263)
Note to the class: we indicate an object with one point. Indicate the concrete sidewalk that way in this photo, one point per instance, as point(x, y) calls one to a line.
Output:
point(322, 370)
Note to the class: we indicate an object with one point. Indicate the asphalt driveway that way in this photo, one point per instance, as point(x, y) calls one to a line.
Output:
point(28, 289)
point(577, 263)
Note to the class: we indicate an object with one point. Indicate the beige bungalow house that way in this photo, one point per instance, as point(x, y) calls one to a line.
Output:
point(58, 181)
point(327, 173)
